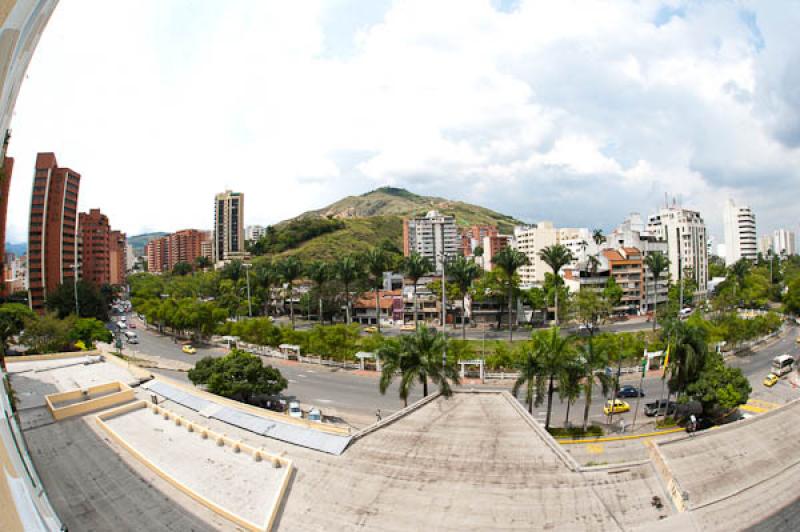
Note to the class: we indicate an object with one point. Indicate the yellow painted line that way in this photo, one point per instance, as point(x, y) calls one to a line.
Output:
point(595, 448)
point(618, 438)
point(753, 409)
point(758, 403)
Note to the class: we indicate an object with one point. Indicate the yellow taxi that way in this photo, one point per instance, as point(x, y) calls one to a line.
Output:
point(770, 380)
point(371, 329)
point(616, 406)
point(408, 327)
point(189, 350)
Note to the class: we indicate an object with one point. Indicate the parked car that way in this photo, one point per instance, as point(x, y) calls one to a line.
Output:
point(659, 408)
point(630, 391)
point(294, 410)
point(315, 415)
point(408, 327)
point(770, 380)
point(188, 349)
point(371, 329)
point(617, 406)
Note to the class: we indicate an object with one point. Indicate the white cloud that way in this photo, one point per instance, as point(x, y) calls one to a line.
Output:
point(573, 111)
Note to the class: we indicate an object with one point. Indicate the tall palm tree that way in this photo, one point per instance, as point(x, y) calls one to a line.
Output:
point(598, 236)
point(202, 262)
point(417, 357)
point(594, 264)
point(319, 272)
point(594, 363)
point(290, 269)
point(531, 370)
point(569, 383)
point(688, 355)
point(348, 271)
point(463, 272)
point(414, 267)
point(556, 256)
point(509, 260)
point(266, 276)
point(555, 352)
point(657, 263)
point(376, 262)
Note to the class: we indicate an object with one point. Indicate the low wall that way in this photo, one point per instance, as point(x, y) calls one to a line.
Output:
point(123, 394)
point(220, 439)
point(52, 356)
point(676, 493)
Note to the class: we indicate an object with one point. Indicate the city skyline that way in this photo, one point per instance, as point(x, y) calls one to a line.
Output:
point(500, 133)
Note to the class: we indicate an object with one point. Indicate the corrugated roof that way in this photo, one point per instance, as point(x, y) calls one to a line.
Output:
point(290, 433)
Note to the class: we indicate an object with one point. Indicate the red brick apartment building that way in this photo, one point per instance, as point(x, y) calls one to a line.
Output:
point(183, 246)
point(103, 252)
point(53, 229)
point(5, 184)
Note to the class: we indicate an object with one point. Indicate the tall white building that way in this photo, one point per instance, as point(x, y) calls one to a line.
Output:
point(228, 240)
point(739, 224)
point(684, 231)
point(579, 241)
point(432, 236)
point(254, 232)
point(530, 240)
point(783, 242)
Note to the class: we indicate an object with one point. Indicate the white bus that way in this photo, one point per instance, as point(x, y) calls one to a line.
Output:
point(782, 365)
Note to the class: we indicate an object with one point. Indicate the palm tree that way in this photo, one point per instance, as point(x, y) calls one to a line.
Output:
point(594, 264)
point(583, 245)
point(319, 272)
point(202, 262)
point(594, 362)
point(657, 263)
point(376, 261)
point(569, 383)
point(688, 355)
point(598, 236)
point(509, 260)
point(555, 351)
point(463, 272)
point(530, 369)
point(414, 267)
point(266, 276)
point(348, 271)
point(290, 269)
point(556, 256)
point(417, 357)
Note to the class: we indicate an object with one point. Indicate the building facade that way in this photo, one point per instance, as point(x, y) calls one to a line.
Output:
point(432, 236)
point(53, 229)
point(684, 233)
point(492, 244)
point(118, 257)
point(162, 254)
point(626, 267)
point(228, 226)
point(530, 240)
point(95, 234)
point(739, 224)
point(783, 242)
point(5, 185)
point(254, 232)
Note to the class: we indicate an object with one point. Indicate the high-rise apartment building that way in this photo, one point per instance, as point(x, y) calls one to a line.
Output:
point(783, 242)
point(432, 236)
point(530, 240)
point(684, 231)
point(5, 184)
point(118, 257)
point(765, 244)
point(228, 226)
point(95, 234)
point(156, 253)
point(254, 232)
point(633, 234)
point(739, 224)
point(182, 246)
point(492, 244)
point(473, 236)
point(579, 242)
point(53, 229)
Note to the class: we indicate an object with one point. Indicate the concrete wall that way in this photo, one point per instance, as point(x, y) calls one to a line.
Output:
point(110, 394)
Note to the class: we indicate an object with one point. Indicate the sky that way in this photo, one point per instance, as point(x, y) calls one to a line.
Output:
point(575, 112)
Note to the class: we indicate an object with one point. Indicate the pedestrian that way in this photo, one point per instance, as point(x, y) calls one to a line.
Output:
point(378, 415)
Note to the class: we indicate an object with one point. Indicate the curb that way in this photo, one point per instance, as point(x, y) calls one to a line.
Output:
point(618, 438)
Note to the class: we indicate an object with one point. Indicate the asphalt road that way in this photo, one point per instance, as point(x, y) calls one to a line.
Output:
point(355, 397)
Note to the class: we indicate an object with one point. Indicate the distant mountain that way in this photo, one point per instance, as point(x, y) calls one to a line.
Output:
point(18, 249)
point(357, 223)
point(138, 242)
point(390, 201)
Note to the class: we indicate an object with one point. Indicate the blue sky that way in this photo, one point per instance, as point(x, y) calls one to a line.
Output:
point(576, 112)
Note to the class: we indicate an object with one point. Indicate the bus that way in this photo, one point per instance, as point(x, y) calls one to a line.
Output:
point(782, 365)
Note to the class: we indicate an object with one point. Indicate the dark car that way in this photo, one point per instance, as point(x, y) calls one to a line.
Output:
point(630, 391)
point(659, 408)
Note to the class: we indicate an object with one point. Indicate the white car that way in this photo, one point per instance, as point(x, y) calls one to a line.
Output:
point(315, 415)
point(294, 410)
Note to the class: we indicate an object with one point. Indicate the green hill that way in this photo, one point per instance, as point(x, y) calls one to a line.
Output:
point(138, 242)
point(357, 223)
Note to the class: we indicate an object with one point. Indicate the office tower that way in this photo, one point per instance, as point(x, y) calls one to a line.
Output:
point(53, 229)
point(739, 224)
point(684, 231)
point(432, 236)
point(783, 242)
point(228, 226)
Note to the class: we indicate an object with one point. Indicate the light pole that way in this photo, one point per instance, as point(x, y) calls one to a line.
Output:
point(75, 288)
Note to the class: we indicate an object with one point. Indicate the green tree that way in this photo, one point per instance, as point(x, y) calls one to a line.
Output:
point(417, 357)
point(556, 352)
point(182, 268)
point(237, 375)
point(91, 302)
point(612, 293)
point(266, 277)
point(48, 334)
point(657, 263)
point(791, 301)
point(463, 272)
point(598, 236)
point(556, 256)
point(509, 260)
point(414, 267)
point(531, 369)
point(89, 331)
point(12, 321)
point(376, 262)
point(719, 387)
point(348, 271)
point(319, 272)
point(202, 262)
point(290, 270)
point(594, 360)
point(569, 383)
point(689, 350)
point(590, 309)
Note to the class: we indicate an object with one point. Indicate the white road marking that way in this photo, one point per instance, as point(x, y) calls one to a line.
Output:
point(301, 375)
point(292, 381)
point(324, 400)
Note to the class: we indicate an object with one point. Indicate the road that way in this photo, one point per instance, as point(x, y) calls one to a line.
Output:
point(355, 397)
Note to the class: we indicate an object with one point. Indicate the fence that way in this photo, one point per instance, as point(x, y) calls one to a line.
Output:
point(267, 351)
